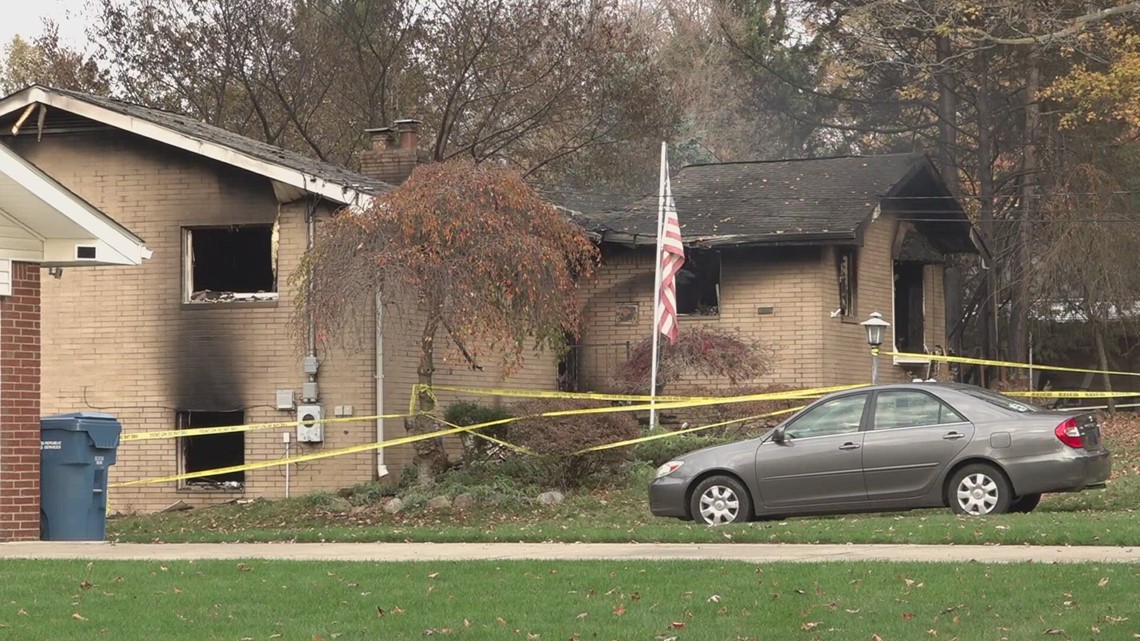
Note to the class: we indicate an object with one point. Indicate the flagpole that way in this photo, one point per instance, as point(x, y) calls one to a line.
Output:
point(657, 287)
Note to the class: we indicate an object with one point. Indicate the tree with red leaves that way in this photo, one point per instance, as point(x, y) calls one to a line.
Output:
point(476, 257)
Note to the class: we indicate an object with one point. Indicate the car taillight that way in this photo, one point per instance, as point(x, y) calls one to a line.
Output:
point(1069, 433)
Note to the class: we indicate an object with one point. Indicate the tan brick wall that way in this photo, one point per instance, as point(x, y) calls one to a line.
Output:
point(848, 356)
point(403, 327)
point(785, 279)
point(813, 349)
point(120, 340)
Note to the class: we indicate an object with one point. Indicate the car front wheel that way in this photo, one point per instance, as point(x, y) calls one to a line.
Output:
point(978, 490)
point(720, 499)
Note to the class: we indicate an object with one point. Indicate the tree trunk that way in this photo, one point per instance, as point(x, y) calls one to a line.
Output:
point(989, 314)
point(947, 119)
point(430, 457)
point(1102, 361)
point(1020, 271)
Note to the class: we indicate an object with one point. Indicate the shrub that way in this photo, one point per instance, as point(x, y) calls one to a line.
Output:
point(704, 352)
point(464, 413)
point(557, 439)
point(663, 450)
point(369, 493)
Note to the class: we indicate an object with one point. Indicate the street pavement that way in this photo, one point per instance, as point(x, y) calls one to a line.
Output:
point(743, 552)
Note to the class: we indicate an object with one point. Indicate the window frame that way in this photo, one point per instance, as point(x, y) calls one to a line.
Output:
point(233, 297)
point(872, 426)
point(848, 255)
point(695, 255)
point(183, 421)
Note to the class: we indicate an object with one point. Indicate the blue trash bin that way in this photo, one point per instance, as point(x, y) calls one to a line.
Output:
point(75, 452)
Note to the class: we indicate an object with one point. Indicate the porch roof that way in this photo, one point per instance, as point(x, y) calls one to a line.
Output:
point(42, 222)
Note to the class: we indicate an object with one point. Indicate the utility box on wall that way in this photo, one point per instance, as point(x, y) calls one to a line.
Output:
point(309, 427)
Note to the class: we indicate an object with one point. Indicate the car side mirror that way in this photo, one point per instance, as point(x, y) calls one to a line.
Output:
point(778, 436)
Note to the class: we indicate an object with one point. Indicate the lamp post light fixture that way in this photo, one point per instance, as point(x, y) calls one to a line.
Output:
point(876, 330)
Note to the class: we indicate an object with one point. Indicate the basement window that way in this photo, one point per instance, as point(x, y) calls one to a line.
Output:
point(228, 264)
point(845, 274)
point(698, 283)
point(211, 451)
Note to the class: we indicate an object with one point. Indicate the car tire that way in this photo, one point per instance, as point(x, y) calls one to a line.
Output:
point(979, 490)
point(1025, 504)
point(719, 500)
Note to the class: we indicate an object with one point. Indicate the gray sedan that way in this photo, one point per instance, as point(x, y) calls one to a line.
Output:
point(890, 447)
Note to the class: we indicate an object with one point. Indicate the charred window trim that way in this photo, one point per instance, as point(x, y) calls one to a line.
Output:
point(192, 294)
point(202, 446)
point(698, 283)
point(847, 279)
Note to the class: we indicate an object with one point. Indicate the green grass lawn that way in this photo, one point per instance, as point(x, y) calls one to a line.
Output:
point(532, 601)
point(1104, 517)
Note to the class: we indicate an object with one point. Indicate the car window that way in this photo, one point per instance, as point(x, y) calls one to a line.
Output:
point(838, 416)
point(902, 408)
point(1001, 401)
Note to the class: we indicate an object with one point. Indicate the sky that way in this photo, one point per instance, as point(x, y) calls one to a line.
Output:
point(24, 18)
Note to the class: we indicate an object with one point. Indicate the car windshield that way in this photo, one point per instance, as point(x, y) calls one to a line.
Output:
point(1002, 401)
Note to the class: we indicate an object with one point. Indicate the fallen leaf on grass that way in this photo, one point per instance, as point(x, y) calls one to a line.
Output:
point(85, 585)
point(678, 624)
point(22, 612)
point(317, 637)
point(875, 637)
point(1110, 619)
point(932, 632)
point(1103, 582)
point(809, 625)
point(908, 582)
point(241, 568)
point(501, 620)
point(1095, 630)
point(1054, 631)
point(714, 598)
point(433, 575)
point(855, 611)
point(619, 610)
point(78, 617)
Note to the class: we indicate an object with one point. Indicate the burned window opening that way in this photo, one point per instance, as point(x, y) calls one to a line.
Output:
point(233, 263)
point(698, 283)
point(909, 330)
point(845, 273)
point(212, 451)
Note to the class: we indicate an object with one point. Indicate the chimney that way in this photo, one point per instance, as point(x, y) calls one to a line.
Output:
point(393, 152)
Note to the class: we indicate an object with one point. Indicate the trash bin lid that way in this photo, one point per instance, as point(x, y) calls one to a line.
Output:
point(104, 429)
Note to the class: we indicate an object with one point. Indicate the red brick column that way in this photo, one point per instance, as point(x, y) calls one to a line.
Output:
point(20, 406)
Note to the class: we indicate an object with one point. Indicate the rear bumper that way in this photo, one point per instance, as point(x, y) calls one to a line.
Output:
point(667, 497)
point(1074, 472)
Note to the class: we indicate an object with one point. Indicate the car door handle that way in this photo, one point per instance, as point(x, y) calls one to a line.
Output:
point(953, 436)
point(849, 446)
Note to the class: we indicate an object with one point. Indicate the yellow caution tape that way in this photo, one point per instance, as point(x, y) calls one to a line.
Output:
point(227, 429)
point(654, 437)
point(301, 459)
point(473, 430)
point(984, 361)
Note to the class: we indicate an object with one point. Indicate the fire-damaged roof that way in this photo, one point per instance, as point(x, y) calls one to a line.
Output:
point(290, 171)
point(796, 202)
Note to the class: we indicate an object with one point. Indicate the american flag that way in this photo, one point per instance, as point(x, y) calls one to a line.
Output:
point(672, 258)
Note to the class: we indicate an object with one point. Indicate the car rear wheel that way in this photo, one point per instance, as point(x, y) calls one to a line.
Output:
point(720, 499)
point(978, 490)
point(1025, 504)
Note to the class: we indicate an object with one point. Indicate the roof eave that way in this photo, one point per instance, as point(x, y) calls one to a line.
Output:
point(344, 194)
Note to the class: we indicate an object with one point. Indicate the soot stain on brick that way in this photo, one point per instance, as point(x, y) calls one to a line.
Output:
point(207, 376)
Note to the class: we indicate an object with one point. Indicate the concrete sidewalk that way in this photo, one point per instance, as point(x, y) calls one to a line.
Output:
point(744, 552)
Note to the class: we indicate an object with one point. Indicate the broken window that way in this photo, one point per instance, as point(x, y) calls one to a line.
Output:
point(845, 271)
point(698, 283)
point(212, 451)
point(236, 263)
point(909, 333)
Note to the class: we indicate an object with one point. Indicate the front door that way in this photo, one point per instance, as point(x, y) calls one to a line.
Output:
point(914, 436)
point(820, 462)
